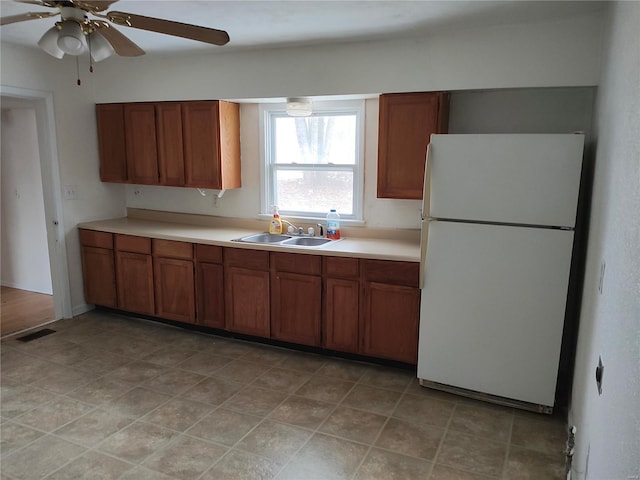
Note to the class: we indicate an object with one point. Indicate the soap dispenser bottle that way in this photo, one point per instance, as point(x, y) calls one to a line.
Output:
point(275, 226)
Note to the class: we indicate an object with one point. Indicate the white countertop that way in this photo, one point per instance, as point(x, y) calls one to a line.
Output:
point(400, 249)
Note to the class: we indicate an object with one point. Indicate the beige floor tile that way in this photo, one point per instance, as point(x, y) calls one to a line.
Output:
point(389, 378)
point(204, 363)
point(255, 400)
point(66, 354)
point(173, 382)
point(93, 464)
point(302, 412)
point(101, 363)
point(473, 454)
point(412, 439)
point(424, 409)
point(343, 370)
point(383, 465)
point(103, 390)
point(16, 400)
point(275, 441)
point(39, 458)
point(282, 380)
point(136, 372)
point(143, 473)
point(265, 355)
point(304, 362)
point(137, 402)
point(170, 356)
point(238, 465)
point(353, 424)
point(137, 441)
point(185, 458)
point(61, 379)
point(54, 414)
point(440, 472)
point(213, 391)
point(178, 414)
point(325, 389)
point(14, 437)
point(224, 426)
point(228, 348)
point(25, 369)
point(94, 427)
point(539, 432)
point(375, 400)
point(325, 458)
point(525, 464)
point(242, 371)
point(492, 422)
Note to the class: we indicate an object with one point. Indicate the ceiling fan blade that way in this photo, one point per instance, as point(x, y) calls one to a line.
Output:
point(46, 3)
point(121, 44)
point(26, 16)
point(168, 27)
point(93, 5)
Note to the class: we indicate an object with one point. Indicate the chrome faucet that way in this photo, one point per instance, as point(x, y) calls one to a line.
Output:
point(320, 229)
point(298, 229)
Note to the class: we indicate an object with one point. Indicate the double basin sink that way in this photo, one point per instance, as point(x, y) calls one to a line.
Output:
point(284, 240)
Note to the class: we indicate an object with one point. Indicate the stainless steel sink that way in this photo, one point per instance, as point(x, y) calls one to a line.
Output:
point(263, 238)
point(284, 240)
point(306, 241)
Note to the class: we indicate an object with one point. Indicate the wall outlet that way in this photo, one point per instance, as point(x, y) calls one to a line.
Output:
point(70, 192)
point(137, 192)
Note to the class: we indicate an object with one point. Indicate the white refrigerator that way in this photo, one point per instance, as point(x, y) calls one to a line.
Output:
point(498, 216)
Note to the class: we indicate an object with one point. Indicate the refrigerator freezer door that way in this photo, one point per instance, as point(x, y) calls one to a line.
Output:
point(530, 179)
point(492, 309)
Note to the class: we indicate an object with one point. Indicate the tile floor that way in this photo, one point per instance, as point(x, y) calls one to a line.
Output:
point(109, 397)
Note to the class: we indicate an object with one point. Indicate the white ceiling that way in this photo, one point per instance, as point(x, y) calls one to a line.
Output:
point(277, 23)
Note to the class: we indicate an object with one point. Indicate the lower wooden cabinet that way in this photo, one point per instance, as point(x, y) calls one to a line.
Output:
point(135, 282)
point(209, 286)
point(174, 289)
point(247, 291)
point(342, 314)
point(98, 268)
point(296, 298)
point(390, 310)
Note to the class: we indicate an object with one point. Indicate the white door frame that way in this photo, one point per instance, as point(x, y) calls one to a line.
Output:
point(52, 192)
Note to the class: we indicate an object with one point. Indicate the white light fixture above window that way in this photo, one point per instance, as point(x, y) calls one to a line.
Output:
point(299, 107)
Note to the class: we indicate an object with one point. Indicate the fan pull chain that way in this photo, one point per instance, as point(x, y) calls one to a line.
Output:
point(90, 56)
point(78, 70)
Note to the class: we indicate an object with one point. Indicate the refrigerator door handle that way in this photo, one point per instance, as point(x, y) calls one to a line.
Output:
point(424, 236)
point(426, 188)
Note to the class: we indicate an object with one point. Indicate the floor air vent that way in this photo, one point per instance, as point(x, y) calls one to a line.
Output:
point(36, 335)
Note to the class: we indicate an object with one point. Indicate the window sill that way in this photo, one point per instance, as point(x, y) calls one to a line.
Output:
point(314, 220)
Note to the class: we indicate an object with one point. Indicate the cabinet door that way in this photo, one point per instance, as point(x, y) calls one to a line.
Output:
point(341, 314)
point(140, 136)
point(111, 142)
point(210, 295)
point(170, 146)
point(134, 273)
point(405, 125)
point(174, 289)
point(98, 269)
point(296, 308)
point(201, 144)
point(247, 301)
point(389, 323)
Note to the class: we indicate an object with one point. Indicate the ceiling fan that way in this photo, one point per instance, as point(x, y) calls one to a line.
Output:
point(76, 32)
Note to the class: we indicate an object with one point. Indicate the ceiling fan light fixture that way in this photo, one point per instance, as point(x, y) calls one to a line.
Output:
point(299, 107)
point(49, 43)
point(100, 47)
point(71, 38)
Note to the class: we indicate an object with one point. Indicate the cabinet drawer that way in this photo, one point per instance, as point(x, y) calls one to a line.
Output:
point(338, 267)
point(208, 253)
point(129, 243)
point(90, 238)
point(172, 249)
point(238, 257)
point(387, 271)
point(296, 263)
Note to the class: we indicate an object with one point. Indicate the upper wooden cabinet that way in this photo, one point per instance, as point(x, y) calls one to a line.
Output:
point(192, 144)
point(406, 123)
point(211, 144)
point(111, 143)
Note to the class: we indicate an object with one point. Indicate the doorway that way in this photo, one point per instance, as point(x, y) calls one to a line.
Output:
point(36, 260)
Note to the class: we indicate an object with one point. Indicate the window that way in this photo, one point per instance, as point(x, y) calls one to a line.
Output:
point(313, 164)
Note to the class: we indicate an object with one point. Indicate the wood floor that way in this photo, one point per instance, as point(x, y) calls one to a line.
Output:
point(22, 309)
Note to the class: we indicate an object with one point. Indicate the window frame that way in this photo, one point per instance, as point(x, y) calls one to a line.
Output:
point(271, 111)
